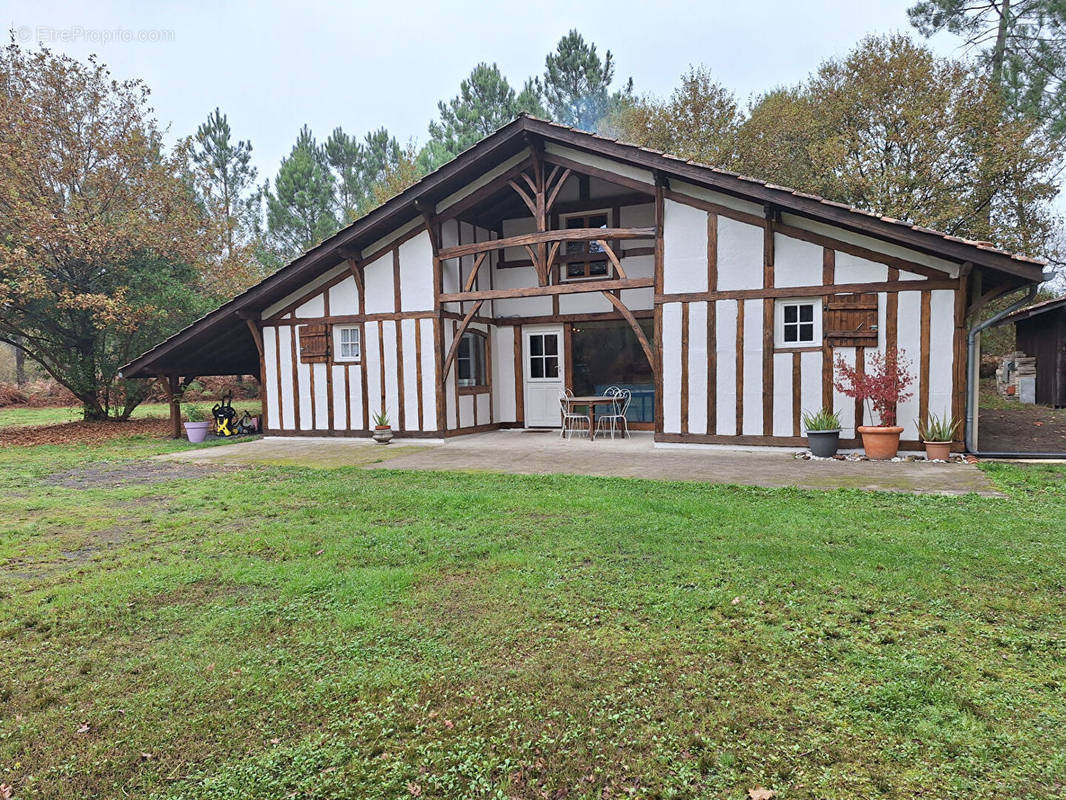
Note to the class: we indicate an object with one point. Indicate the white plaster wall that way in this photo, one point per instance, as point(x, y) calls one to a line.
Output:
point(752, 367)
point(684, 248)
point(450, 410)
point(740, 256)
point(288, 405)
point(303, 386)
point(340, 400)
point(377, 282)
point(909, 341)
point(388, 332)
point(484, 408)
point(410, 376)
point(505, 406)
point(625, 170)
point(466, 410)
point(671, 347)
point(796, 262)
point(355, 396)
point(585, 303)
point(718, 198)
point(270, 363)
point(726, 340)
point(852, 269)
point(844, 405)
point(782, 394)
point(697, 368)
point(941, 350)
point(295, 295)
point(321, 417)
point(416, 274)
point(344, 298)
point(314, 307)
point(810, 383)
point(371, 363)
point(429, 377)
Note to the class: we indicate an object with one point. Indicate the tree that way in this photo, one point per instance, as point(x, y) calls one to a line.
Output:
point(1022, 43)
point(700, 121)
point(345, 156)
point(485, 103)
point(893, 129)
point(99, 234)
point(223, 179)
point(577, 83)
point(399, 173)
point(301, 208)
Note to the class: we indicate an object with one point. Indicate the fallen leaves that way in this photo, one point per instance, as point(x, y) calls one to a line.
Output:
point(761, 793)
point(6, 791)
point(83, 728)
point(81, 432)
point(414, 789)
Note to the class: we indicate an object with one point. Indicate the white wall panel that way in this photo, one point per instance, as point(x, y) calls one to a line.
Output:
point(810, 383)
point(684, 248)
point(753, 367)
point(372, 365)
point(416, 273)
point(410, 375)
point(450, 410)
point(503, 374)
point(314, 307)
point(429, 377)
point(318, 375)
point(303, 386)
point(782, 394)
point(585, 303)
point(852, 269)
point(270, 364)
point(941, 350)
point(392, 405)
point(796, 262)
point(377, 282)
point(740, 255)
point(344, 298)
point(288, 404)
point(697, 368)
point(484, 408)
point(909, 342)
point(726, 386)
point(671, 367)
point(340, 398)
point(355, 396)
point(466, 410)
point(844, 405)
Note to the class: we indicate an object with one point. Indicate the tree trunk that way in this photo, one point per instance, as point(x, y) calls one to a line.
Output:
point(92, 409)
point(999, 52)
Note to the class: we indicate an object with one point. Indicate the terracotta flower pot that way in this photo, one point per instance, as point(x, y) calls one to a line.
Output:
point(881, 442)
point(938, 451)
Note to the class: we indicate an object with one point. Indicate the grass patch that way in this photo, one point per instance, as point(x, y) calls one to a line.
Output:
point(61, 414)
point(276, 631)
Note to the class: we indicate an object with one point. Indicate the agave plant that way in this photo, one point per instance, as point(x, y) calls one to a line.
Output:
point(938, 429)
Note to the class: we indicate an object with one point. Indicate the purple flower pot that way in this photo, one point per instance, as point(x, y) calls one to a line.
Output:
point(197, 431)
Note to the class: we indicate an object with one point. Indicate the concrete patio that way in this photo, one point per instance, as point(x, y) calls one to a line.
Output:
point(543, 452)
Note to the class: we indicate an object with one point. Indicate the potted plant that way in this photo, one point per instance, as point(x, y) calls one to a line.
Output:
point(823, 432)
point(937, 433)
point(382, 428)
point(883, 385)
point(197, 425)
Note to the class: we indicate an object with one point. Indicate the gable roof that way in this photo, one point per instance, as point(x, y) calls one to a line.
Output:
point(220, 343)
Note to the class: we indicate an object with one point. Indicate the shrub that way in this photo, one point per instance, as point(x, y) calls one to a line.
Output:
point(882, 385)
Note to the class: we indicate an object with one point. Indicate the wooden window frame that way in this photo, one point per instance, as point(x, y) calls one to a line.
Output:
point(481, 386)
point(587, 257)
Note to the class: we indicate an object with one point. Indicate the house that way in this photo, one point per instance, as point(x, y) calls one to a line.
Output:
point(544, 257)
point(1040, 331)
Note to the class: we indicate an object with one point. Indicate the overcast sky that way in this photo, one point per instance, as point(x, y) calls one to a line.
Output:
point(272, 66)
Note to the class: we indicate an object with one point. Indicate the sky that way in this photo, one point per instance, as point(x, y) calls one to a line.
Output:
point(274, 66)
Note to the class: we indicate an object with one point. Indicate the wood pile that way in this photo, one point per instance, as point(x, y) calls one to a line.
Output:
point(1016, 377)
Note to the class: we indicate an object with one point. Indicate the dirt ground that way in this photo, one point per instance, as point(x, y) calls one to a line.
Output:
point(1023, 428)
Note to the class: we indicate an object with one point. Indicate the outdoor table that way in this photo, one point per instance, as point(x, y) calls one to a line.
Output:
point(590, 402)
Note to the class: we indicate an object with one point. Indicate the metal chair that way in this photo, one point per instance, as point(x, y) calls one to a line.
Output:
point(581, 424)
point(617, 419)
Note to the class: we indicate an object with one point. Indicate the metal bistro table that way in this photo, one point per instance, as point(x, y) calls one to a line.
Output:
point(591, 401)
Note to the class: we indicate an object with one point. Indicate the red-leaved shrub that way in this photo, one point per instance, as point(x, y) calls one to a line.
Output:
point(882, 384)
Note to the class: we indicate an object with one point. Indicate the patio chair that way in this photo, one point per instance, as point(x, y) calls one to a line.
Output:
point(617, 418)
point(581, 424)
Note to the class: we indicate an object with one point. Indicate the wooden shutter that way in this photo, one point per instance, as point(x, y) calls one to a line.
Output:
point(851, 320)
point(314, 343)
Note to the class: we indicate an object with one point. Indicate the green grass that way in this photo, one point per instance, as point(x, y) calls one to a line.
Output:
point(61, 414)
point(277, 632)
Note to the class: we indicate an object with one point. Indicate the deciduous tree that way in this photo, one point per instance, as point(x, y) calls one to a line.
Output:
point(99, 235)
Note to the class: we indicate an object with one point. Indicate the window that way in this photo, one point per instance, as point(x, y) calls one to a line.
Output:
point(544, 355)
point(470, 360)
point(346, 343)
point(585, 259)
point(798, 323)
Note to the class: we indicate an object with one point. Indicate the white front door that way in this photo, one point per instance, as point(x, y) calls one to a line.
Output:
point(542, 352)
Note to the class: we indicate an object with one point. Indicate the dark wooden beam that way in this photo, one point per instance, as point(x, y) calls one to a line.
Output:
point(576, 287)
point(453, 351)
point(541, 237)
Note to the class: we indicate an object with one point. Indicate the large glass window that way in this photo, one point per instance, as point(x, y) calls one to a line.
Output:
point(470, 360)
point(608, 354)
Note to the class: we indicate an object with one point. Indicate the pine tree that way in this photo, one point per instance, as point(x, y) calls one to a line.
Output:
point(485, 103)
point(345, 156)
point(301, 208)
point(577, 83)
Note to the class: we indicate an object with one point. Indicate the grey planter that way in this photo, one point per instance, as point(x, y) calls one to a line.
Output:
point(382, 435)
point(824, 444)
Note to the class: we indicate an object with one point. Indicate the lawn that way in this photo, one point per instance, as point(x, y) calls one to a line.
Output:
point(60, 414)
point(279, 632)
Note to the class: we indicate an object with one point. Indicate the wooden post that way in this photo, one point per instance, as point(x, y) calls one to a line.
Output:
point(170, 384)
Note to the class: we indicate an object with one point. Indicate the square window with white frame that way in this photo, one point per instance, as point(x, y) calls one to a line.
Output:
point(347, 343)
point(798, 323)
